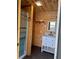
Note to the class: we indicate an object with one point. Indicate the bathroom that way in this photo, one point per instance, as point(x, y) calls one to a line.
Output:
point(38, 23)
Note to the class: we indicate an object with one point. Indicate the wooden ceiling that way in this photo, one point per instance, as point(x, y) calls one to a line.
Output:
point(47, 5)
point(25, 3)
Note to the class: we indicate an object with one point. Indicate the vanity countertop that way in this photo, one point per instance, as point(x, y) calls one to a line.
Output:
point(50, 35)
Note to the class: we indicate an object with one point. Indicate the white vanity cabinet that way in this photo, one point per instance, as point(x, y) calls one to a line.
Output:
point(48, 44)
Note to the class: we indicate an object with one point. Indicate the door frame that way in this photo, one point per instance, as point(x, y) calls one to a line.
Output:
point(18, 25)
point(57, 29)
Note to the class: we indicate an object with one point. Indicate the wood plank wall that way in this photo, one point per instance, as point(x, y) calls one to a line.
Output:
point(40, 28)
point(30, 28)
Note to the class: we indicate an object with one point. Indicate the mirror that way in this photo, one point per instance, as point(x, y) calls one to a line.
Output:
point(52, 26)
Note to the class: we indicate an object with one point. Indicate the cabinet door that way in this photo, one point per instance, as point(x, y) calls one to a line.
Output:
point(53, 41)
point(44, 41)
point(49, 41)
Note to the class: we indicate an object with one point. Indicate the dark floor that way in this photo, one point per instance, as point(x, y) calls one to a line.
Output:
point(36, 54)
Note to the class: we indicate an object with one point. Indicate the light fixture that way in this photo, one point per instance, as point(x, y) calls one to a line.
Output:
point(38, 3)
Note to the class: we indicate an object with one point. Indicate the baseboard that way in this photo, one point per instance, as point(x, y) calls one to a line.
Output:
point(36, 45)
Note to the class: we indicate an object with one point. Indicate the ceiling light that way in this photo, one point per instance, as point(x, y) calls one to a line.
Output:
point(38, 3)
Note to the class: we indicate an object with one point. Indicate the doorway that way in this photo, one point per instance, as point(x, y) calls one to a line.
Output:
point(41, 25)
